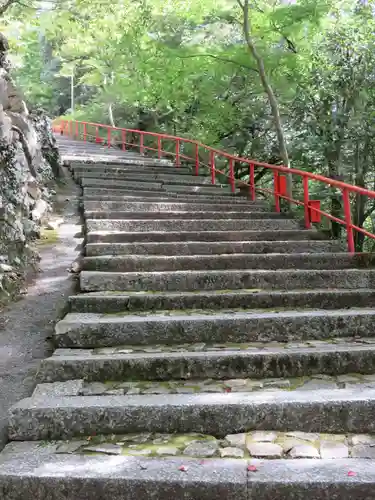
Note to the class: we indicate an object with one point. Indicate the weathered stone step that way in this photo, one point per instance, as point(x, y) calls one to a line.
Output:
point(113, 302)
point(346, 410)
point(217, 362)
point(95, 281)
point(189, 225)
point(132, 387)
point(155, 185)
point(77, 477)
point(150, 197)
point(153, 207)
point(146, 178)
point(137, 168)
point(171, 206)
point(187, 214)
point(212, 248)
point(172, 177)
point(118, 186)
point(201, 236)
point(154, 263)
point(120, 161)
point(165, 327)
point(98, 385)
point(123, 194)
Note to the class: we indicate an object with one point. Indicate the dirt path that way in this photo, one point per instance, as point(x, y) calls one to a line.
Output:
point(26, 324)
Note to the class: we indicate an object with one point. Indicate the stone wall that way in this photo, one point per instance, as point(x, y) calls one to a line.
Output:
point(29, 164)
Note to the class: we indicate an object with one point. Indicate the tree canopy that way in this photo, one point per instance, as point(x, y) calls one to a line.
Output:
point(282, 81)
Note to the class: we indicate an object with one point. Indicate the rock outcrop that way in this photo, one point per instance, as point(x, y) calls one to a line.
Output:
point(29, 163)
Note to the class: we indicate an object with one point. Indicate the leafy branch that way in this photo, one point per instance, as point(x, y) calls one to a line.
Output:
point(223, 59)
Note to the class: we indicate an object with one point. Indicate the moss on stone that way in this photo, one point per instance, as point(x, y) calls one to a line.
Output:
point(48, 237)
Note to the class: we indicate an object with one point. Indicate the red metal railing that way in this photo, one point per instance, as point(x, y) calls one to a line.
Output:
point(139, 140)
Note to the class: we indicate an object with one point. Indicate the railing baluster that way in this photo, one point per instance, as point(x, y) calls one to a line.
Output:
point(141, 144)
point(178, 163)
point(197, 159)
point(231, 175)
point(252, 182)
point(306, 202)
point(123, 138)
point(348, 220)
point(212, 166)
point(276, 190)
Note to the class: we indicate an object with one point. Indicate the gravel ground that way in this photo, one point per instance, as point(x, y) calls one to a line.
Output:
point(25, 325)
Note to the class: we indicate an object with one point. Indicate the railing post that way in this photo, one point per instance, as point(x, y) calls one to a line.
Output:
point(178, 163)
point(212, 166)
point(197, 159)
point(231, 175)
point(159, 146)
point(109, 137)
point(348, 220)
point(276, 190)
point(123, 139)
point(141, 144)
point(306, 202)
point(252, 182)
point(77, 129)
point(97, 134)
point(84, 132)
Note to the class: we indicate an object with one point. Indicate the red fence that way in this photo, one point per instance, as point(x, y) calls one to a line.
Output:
point(191, 151)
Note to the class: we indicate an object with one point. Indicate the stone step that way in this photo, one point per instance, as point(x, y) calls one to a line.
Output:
point(152, 166)
point(63, 417)
point(121, 161)
point(122, 171)
point(191, 362)
point(154, 263)
point(212, 248)
point(53, 381)
point(113, 302)
point(106, 157)
point(188, 214)
point(92, 475)
point(173, 225)
point(172, 206)
point(174, 177)
point(153, 184)
point(202, 236)
point(123, 194)
point(145, 179)
point(164, 327)
point(163, 197)
point(94, 281)
point(116, 185)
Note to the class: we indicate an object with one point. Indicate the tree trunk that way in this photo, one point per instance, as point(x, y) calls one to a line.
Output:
point(110, 115)
point(283, 150)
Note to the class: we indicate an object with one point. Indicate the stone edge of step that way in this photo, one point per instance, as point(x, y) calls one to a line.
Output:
point(96, 318)
point(24, 467)
point(216, 414)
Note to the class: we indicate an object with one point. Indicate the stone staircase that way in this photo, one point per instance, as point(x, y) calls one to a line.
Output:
point(216, 351)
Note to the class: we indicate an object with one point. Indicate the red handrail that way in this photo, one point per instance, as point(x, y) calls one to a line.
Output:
point(312, 211)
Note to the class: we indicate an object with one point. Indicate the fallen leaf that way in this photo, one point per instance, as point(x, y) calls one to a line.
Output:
point(183, 468)
point(352, 473)
point(252, 468)
point(228, 389)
